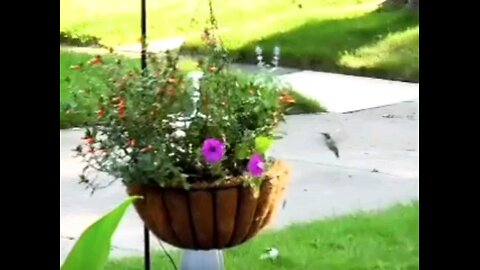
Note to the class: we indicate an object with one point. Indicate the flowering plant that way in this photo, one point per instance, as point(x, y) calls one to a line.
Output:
point(161, 126)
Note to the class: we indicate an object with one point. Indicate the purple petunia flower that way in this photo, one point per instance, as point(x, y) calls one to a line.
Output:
point(256, 165)
point(213, 150)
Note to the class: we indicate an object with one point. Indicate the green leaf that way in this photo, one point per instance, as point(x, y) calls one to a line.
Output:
point(262, 144)
point(93, 247)
point(243, 151)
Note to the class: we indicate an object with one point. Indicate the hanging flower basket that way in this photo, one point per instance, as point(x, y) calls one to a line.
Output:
point(195, 150)
point(212, 217)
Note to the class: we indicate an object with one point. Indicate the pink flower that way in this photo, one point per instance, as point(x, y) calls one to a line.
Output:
point(256, 165)
point(213, 150)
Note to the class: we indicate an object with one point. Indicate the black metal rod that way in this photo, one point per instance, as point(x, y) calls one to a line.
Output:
point(146, 247)
point(143, 59)
point(144, 35)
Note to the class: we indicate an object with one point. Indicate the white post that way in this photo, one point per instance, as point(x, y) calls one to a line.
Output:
point(202, 260)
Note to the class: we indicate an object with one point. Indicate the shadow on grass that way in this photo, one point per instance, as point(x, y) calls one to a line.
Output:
point(319, 45)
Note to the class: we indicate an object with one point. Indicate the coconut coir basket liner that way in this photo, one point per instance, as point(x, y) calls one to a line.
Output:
point(212, 217)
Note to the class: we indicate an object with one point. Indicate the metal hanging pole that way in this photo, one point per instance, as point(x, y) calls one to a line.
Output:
point(143, 62)
point(144, 35)
point(146, 247)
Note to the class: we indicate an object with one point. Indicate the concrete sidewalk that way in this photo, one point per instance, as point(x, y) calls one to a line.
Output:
point(378, 167)
point(344, 93)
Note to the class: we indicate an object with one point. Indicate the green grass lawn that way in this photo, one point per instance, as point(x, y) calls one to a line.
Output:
point(78, 80)
point(385, 240)
point(347, 36)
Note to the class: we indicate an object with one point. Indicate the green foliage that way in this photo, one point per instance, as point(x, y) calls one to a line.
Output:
point(93, 247)
point(149, 129)
point(262, 144)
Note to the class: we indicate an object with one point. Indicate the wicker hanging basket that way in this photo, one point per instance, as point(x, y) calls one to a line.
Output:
point(212, 217)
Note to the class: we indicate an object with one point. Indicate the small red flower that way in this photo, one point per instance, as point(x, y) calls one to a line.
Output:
point(132, 142)
point(101, 112)
point(90, 140)
point(122, 102)
point(97, 60)
point(287, 99)
point(122, 107)
point(122, 111)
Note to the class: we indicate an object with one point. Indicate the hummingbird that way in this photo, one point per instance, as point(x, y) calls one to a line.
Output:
point(331, 144)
